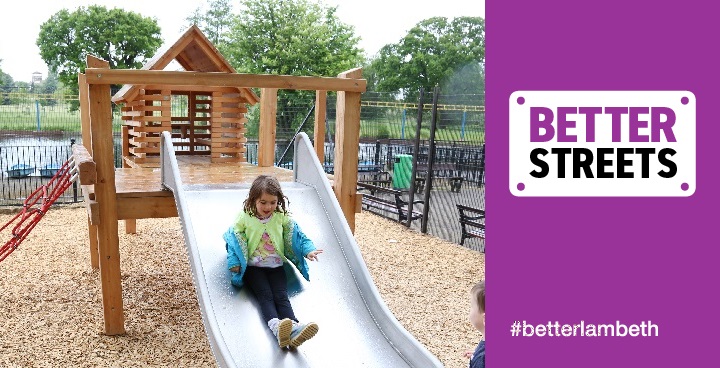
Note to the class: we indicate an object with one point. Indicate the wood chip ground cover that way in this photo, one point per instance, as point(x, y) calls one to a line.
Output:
point(51, 310)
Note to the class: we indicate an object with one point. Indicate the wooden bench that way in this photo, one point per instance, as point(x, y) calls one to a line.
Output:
point(389, 200)
point(470, 222)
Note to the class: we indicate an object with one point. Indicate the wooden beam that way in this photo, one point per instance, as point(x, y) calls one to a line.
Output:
point(347, 142)
point(146, 207)
point(87, 142)
point(191, 88)
point(84, 110)
point(184, 78)
point(267, 129)
point(84, 164)
point(319, 131)
point(93, 220)
point(105, 195)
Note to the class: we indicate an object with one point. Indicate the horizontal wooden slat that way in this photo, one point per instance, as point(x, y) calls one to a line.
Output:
point(228, 99)
point(235, 110)
point(185, 90)
point(154, 108)
point(134, 104)
point(225, 120)
point(225, 140)
point(200, 135)
point(146, 207)
point(170, 78)
point(146, 139)
point(236, 137)
point(136, 150)
point(133, 123)
point(158, 129)
point(154, 97)
point(154, 118)
point(228, 150)
point(226, 130)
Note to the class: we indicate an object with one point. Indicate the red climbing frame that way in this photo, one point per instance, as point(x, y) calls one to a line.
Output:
point(36, 206)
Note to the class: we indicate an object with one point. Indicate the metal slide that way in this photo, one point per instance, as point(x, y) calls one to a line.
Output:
point(356, 328)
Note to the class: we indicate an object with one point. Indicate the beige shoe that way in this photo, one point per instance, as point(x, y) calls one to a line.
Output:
point(302, 332)
point(283, 332)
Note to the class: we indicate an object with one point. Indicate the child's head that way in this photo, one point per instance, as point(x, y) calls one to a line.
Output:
point(265, 197)
point(477, 306)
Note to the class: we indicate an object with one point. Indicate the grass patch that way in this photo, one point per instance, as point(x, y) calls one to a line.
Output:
point(29, 117)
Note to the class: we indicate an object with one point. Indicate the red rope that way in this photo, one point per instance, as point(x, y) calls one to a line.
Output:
point(35, 207)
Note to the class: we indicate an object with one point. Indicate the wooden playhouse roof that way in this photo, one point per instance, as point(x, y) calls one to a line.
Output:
point(194, 52)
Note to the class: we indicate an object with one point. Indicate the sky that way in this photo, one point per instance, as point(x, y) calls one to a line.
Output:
point(376, 22)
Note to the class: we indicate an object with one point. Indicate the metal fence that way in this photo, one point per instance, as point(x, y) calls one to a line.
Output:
point(36, 130)
point(450, 160)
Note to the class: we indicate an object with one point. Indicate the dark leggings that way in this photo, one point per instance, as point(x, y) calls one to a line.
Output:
point(270, 288)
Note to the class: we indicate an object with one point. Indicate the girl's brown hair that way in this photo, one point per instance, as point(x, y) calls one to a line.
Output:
point(265, 184)
point(478, 292)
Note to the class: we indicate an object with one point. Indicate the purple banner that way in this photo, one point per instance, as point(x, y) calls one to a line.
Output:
point(602, 281)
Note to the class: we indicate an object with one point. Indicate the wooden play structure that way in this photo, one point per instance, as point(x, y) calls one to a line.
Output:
point(210, 141)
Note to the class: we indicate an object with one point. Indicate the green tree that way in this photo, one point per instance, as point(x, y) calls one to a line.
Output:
point(468, 83)
point(5, 79)
point(296, 37)
point(125, 39)
point(46, 88)
point(215, 22)
point(6, 86)
point(437, 51)
point(292, 37)
point(49, 85)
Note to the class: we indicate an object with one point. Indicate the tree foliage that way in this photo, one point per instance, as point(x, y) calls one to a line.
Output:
point(292, 37)
point(295, 37)
point(215, 22)
point(437, 51)
point(6, 86)
point(125, 39)
point(48, 87)
point(6, 81)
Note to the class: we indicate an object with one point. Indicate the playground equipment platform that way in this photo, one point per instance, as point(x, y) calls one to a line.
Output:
point(214, 119)
point(140, 193)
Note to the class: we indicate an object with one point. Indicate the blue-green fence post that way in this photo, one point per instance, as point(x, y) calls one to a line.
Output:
point(462, 128)
point(37, 114)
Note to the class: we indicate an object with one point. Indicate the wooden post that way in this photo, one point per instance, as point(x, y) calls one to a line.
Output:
point(268, 123)
point(106, 196)
point(347, 142)
point(319, 131)
point(87, 143)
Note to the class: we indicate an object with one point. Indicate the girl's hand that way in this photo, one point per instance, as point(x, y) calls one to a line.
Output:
point(313, 255)
point(469, 354)
point(235, 269)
